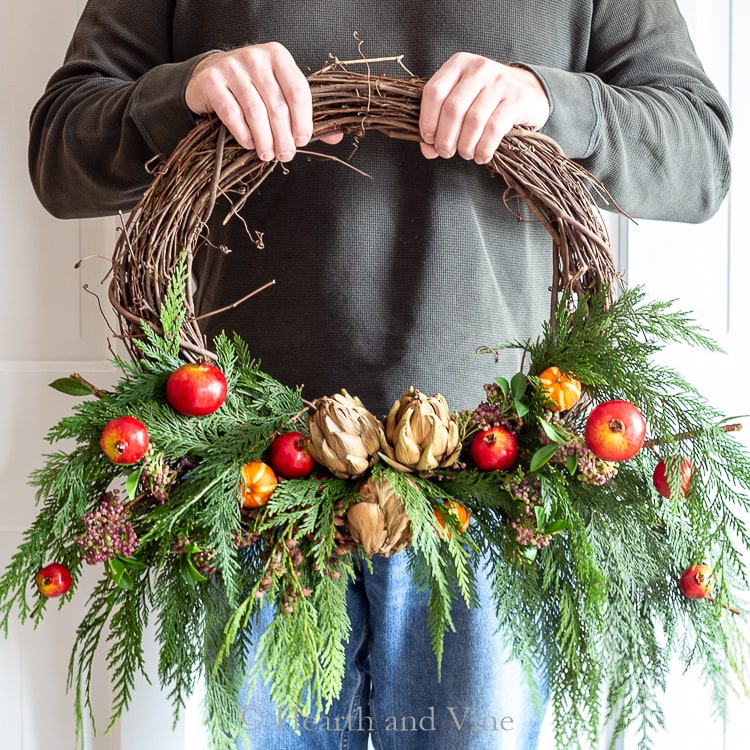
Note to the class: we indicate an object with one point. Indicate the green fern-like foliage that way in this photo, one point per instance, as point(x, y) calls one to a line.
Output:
point(583, 556)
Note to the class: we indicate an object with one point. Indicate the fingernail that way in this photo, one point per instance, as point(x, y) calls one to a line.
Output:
point(302, 140)
point(286, 156)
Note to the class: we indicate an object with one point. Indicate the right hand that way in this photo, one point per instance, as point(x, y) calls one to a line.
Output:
point(260, 94)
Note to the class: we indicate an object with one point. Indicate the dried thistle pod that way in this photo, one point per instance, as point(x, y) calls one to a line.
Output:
point(421, 434)
point(379, 522)
point(344, 436)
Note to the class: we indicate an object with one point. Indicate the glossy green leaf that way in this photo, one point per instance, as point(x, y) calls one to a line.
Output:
point(572, 463)
point(556, 526)
point(131, 483)
point(131, 562)
point(552, 432)
point(503, 385)
point(117, 571)
point(521, 409)
point(542, 457)
point(71, 386)
point(190, 574)
point(518, 385)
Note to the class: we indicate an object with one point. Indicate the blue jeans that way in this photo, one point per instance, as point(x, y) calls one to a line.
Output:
point(391, 692)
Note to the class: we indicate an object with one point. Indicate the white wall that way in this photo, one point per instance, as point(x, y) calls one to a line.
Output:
point(705, 267)
point(52, 328)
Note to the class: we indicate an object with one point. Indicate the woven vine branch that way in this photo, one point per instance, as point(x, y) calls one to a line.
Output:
point(208, 164)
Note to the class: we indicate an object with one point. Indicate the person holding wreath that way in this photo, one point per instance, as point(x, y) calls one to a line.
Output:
point(391, 281)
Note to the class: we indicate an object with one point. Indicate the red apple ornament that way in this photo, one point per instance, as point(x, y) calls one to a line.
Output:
point(53, 580)
point(494, 449)
point(290, 457)
point(124, 440)
point(615, 431)
point(660, 478)
point(697, 581)
point(196, 389)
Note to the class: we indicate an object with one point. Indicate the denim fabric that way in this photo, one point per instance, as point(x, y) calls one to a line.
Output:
point(391, 692)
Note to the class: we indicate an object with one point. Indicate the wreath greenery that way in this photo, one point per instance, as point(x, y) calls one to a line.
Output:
point(584, 555)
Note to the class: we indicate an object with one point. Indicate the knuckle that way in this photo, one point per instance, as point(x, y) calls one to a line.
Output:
point(474, 120)
point(277, 109)
point(453, 106)
point(274, 49)
point(494, 130)
point(297, 92)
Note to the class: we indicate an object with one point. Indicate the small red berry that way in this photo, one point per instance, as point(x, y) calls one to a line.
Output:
point(53, 580)
point(660, 478)
point(494, 449)
point(615, 431)
point(697, 582)
point(124, 440)
point(196, 389)
point(290, 457)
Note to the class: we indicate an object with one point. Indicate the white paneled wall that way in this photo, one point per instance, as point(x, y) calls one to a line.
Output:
point(52, 328)
point(705, 268)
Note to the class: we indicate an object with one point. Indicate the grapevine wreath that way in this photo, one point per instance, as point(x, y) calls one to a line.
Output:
point(606, 494)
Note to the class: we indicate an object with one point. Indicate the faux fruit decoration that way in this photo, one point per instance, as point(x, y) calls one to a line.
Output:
point(290, 457)
point(196, 389)
point(563, 390)
point(494, 449)
point(258, 481)
point(53, 580)
point(697, 582)
point(615, 430)
point(685, 476)
point(455, 509)
point(124, 440)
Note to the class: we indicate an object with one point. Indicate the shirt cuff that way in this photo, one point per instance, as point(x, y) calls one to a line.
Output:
point(574, 109)
point(159, 110)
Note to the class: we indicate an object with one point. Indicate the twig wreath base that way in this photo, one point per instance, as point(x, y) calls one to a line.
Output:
point(599, 573)
point(208, 164)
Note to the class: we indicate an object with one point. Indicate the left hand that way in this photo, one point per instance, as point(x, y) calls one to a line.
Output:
point(470, 104)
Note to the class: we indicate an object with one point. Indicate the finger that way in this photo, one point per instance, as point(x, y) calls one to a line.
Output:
point(475, 122)
point(228, 110)
point(269, 117)
point(434, 94)
point(297, 99)
point(211, 90)
point(453, 113)
point(428, 151)
point(496, 128)
point(332, 138)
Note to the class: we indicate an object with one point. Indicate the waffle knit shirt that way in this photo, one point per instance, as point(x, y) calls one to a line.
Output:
point(392, 280)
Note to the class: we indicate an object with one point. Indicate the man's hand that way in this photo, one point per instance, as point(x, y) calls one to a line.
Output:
point(260, 94)
point(472, 102)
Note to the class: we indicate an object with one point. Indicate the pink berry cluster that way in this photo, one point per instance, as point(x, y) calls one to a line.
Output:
point(592, 470)
point(529, 492)
point(107, 531)
point(589, 468)
point(159, 476)
point(490, 413)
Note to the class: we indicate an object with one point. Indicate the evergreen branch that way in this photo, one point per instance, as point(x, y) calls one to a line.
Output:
point(125, 659)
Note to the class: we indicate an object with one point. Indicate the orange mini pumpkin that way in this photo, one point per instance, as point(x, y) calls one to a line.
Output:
point(461, 514)
point(561, 389)
point(257, 484)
